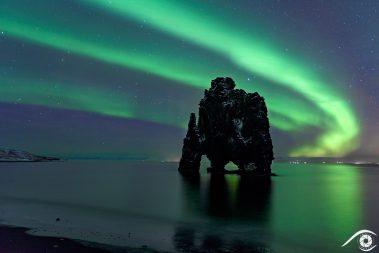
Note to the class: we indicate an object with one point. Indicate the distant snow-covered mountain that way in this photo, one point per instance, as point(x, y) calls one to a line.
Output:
point(12, 155)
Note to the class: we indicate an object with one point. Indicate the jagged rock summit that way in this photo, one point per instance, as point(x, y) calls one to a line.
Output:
point(232, 126)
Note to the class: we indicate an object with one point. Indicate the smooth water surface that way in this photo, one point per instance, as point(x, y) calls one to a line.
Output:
point(307, 208)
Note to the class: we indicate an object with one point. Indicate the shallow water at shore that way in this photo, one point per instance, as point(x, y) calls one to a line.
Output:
point(307, 208)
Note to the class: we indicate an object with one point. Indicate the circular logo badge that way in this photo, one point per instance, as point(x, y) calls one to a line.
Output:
point(365, 241)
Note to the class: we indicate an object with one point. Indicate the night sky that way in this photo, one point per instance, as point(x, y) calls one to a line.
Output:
point(118, 78)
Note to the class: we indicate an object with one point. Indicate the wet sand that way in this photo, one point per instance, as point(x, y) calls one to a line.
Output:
point(16, 240)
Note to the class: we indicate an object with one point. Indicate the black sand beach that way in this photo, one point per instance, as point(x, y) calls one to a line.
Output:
point(16, 240)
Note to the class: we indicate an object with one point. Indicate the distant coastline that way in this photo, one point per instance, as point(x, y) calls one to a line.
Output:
point(13, 155)
point(328, 160)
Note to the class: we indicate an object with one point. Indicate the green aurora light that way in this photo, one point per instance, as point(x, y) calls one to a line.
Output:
point(327, 108)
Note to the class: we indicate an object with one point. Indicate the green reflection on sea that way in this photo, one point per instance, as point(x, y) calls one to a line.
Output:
point(316, 204)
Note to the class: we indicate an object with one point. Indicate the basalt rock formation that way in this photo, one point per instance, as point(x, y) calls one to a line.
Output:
point(232, 126)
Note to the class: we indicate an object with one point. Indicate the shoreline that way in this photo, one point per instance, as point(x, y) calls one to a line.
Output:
point(14, 239)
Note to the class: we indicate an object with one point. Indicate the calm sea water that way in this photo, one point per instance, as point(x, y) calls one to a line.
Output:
point(306, 208)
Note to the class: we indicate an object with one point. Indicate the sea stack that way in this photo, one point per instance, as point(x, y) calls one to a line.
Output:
point(233, 126)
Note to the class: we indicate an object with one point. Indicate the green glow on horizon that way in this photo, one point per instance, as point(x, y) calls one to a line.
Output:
point(330, 111)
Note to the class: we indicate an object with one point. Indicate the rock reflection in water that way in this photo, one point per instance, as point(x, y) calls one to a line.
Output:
point(230, 198)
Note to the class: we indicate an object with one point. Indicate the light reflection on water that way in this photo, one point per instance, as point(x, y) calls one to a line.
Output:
point(307, 208)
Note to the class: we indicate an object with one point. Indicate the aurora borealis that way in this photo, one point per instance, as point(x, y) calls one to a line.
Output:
point(145, 64)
